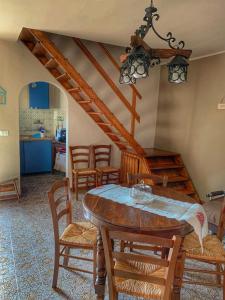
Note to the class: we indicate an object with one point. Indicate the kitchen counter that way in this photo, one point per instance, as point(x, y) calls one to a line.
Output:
point(30, 138)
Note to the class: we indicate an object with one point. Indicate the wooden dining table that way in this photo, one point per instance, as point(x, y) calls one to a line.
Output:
point(104, 212)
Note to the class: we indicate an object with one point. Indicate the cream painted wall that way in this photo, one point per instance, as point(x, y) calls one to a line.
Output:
point(189, 122)
point(19, 67)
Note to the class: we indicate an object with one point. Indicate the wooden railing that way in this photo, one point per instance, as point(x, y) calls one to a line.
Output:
point(135, 92)
point(131, 107)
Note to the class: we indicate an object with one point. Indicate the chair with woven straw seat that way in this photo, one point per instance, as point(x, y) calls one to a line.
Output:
point(81, 168)
point(78, 235)
point(142, 275)
point(213, 253)
point(102, 160)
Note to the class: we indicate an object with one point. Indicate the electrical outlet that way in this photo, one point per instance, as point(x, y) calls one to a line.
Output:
point(4, 132)
point(221, 106)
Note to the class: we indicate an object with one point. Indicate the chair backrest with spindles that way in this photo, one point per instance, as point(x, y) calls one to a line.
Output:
point(129, 164)
point(102, 155)
point(168, 263)
point(152, 178)
point(60, 204)
point(221, 226)
point(80, 156)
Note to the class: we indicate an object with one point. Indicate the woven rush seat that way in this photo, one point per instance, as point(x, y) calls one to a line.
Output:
point(212, 248)
point(136, 287)
point(84, 171)
point(107, 169)
point(82, 233)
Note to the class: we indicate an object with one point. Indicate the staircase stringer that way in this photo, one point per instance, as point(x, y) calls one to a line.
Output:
point(75, 76)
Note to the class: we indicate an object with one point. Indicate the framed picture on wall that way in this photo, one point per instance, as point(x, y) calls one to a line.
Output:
point(2, 96)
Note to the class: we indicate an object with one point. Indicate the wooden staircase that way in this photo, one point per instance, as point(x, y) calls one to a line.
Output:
point(171, 164)
point(66, 74)
point(160, 162)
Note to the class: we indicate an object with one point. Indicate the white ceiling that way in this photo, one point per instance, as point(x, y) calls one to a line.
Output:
point(201, 23)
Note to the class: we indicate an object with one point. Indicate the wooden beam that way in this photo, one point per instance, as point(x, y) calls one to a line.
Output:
point(162, 53)
point(133, 120)
point(114, 62)
point(72, 72)
point(107, 78)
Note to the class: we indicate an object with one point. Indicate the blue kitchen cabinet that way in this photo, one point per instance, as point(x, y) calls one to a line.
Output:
point(22, 164)
point(39, 95)
point(36, 156)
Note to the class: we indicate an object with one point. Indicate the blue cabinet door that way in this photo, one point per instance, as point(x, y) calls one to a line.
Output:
point(22, 162)
point(39, 95)
point(37, 156)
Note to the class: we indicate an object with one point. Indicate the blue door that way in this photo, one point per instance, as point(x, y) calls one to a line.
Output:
point(37, 156)
point(39, 95)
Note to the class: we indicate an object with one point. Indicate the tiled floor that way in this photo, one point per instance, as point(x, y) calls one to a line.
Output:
point(27, 245)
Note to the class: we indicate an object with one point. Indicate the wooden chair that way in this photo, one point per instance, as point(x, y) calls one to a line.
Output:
point(139, 275)
point(152, 179)
point(81, 168)
point(102, 159)
point(9, 189)
point(78, 235)
point(213, 254)
point(134, 179)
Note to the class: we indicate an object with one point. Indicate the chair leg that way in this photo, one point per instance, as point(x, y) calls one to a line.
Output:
point(224, 283)
point(73, 183)
point(122, 246)
point(96, 179)
point(94, 263)
point(218, 276)
point(76, 186)
point(56, 267)
point(131, 248)
point(66, 259)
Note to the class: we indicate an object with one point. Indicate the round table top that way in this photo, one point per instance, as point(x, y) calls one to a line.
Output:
point(101, 211)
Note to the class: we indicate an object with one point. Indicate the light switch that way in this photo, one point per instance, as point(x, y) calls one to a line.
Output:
point(4, 132)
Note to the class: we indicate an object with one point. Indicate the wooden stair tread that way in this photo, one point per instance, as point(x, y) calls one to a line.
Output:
point(74, 89)
point(50, 64)
point(38, 49)
point(63, 76)
point(185, 191)
point(104, 124)
point(177, 179)
point(165, 166)
point(151, 152)
point(84, 102)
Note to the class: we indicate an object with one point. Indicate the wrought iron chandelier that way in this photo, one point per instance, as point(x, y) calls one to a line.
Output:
point(138, 59)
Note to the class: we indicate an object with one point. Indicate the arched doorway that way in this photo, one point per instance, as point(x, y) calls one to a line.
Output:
point(43, 126)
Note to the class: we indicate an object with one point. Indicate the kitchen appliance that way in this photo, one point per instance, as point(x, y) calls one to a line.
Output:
point(61, 135)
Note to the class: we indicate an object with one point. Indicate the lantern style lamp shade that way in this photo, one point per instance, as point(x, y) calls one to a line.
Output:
point(177, 69)
point(136, 66)
point(139, 61)
point(125, 77)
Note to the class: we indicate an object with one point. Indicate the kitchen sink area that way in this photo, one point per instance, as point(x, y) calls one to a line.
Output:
point(42, 129)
